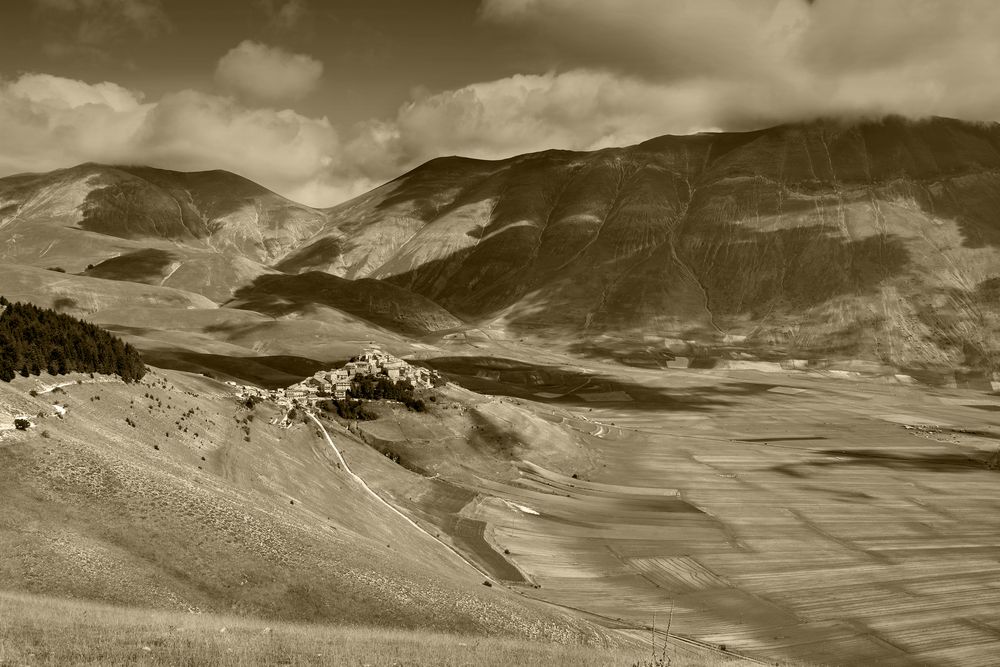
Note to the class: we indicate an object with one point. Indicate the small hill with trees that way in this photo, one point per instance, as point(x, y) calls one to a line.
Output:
point(34, 339)
point(381, 388)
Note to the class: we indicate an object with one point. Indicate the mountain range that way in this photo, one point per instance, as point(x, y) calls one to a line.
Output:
point(873, 240)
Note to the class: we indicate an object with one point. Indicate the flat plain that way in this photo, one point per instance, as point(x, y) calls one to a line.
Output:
point(801, 517)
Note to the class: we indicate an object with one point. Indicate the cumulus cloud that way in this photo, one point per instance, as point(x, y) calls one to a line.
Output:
point(622, 71)
point(643, 68)
point(635, 69)
point(910, 57)
point(524, 113)
point(267, 73)
point(48, 122)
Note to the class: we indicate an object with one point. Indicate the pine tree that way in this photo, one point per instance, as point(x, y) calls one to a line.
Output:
point(33, 339)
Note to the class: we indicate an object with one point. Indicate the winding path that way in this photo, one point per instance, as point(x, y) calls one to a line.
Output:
point(683, 639)
point(357, 478)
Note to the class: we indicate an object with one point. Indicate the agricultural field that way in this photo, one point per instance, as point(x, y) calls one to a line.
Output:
point(788, 516)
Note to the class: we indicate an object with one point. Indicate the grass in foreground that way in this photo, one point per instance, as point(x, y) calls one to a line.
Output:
point(48, 631)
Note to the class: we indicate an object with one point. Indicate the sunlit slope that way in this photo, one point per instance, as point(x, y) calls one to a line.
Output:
point(210, 233)
point(171, 494)
point(207, 232)
point(81, 296)
point(216, 209)
point(874, 240)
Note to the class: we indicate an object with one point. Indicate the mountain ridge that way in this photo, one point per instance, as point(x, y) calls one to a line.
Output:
point(872, 239)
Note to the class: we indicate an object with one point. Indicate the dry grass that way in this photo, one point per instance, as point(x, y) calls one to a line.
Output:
point(49, 631)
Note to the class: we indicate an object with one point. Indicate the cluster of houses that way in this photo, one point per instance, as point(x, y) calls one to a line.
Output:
point(335, 383)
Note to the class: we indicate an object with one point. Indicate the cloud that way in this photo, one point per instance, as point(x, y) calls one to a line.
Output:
point(622, 71)
point(88, 27)
point(580, 109)
point(911, 57)
point(267, 73)
point(58, 93)
point(48, 122)
point(669, 40)
point(285, 15)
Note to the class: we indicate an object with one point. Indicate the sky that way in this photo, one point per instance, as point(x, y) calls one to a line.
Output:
point(323, 100)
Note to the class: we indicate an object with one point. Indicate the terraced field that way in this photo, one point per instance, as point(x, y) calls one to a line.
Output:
point(794, 517)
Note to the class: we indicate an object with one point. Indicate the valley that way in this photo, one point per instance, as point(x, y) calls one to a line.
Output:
point(796, 517)
point(739, 385)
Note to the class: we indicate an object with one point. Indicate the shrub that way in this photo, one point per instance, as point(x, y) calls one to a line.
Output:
point(380, 387)
point(348, 409)
point(33, 393)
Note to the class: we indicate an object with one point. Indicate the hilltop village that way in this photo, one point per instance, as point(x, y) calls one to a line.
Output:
point(335, 383)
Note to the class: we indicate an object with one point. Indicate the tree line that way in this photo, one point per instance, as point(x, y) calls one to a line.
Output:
point(380, 387)
point(34, 339)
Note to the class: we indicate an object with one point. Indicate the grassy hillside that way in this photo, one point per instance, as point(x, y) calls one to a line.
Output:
point(36, 630)
point(169, 493)
point(382, 304)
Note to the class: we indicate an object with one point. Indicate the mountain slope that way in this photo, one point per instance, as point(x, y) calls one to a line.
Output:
point(209, 233)
point(874, 240)
point(215, 210)
point(172, 494)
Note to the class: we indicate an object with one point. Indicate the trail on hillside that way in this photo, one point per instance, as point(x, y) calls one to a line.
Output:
point(357, 478)
point(666, 635)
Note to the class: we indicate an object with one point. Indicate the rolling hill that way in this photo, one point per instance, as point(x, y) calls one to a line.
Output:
point(169, 493)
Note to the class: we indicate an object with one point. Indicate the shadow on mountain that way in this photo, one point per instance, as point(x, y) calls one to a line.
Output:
point(270, 372)
point(743, 274)
point(378, 302)
point(142, 266)
point(439, 185)
point(134, 208)
point(321, 253)
point(554, 384)
point(874, 458)
point(752, 273)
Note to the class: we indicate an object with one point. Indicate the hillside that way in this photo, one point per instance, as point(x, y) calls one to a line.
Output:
point(169, 493)
point(872, 240)
point(217, 210)
point(87, 633)
point(875, 240)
